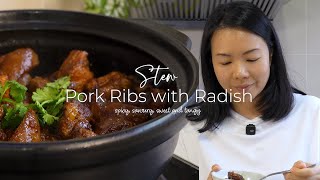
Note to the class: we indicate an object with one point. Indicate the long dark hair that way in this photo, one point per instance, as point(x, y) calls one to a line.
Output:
point(276, 99)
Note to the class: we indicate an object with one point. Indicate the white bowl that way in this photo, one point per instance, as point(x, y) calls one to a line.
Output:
point(223, 175)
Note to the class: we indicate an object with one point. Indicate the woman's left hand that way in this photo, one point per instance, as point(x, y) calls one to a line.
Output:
point(299, 171)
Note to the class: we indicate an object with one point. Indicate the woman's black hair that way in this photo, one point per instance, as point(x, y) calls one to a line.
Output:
point(276, 99)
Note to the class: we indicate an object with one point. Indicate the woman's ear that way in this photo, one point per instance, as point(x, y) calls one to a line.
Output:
point(270, 58)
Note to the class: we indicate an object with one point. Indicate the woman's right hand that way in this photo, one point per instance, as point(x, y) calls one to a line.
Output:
point(214, 168)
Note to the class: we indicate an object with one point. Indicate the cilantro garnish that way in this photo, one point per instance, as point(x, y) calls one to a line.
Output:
point(14, 108)
point(49, 100)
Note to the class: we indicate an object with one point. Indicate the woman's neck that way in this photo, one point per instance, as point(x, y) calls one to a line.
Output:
point(246, 109)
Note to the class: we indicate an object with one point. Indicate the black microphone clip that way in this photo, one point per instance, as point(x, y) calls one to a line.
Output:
point(250, 129)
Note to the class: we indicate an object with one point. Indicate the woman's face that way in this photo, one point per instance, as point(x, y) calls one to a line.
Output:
point(241, 61)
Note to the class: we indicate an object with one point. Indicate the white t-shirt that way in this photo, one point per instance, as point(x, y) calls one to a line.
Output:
point(276, 146)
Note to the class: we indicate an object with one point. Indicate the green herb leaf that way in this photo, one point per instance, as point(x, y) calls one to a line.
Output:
point(50, 99)
point(49, 119)
point(14, 113)
point(14, 116)
point(17, 91)
point(61, 83)
point(45, 95)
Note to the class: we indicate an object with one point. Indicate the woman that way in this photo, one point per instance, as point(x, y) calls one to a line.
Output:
point(241, 54)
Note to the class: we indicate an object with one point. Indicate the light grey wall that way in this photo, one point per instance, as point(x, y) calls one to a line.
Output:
point(298, 26)
point(74, 5)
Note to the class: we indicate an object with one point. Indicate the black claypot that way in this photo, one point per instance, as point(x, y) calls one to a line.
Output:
point(134, 154)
